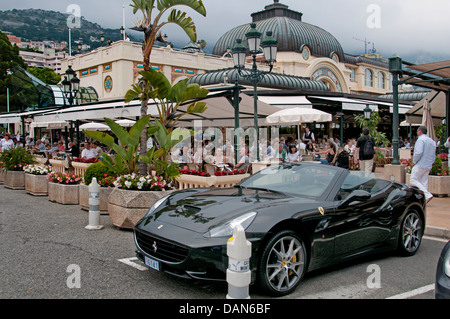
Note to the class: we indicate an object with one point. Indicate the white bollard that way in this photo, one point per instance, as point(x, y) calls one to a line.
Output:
point(94, 206)
point(239, 251)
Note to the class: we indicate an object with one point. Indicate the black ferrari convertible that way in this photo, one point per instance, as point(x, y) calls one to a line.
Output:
point(298, 217)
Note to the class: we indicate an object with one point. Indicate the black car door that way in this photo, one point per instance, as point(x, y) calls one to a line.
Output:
point(361, 220)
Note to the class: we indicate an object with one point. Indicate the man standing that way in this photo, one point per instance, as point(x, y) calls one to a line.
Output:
point(308, 136)
point(423, 159)
point(365, 149)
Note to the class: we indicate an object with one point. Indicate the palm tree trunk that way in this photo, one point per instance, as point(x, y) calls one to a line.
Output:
point(142, 167)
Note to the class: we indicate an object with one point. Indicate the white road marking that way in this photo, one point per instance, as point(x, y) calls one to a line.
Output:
point(130, 262)
point(413, 293)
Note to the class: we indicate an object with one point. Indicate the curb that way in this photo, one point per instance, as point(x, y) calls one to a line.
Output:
point(439, 232)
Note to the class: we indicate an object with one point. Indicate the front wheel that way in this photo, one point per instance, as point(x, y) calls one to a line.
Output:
point(411, 233)
point(282, 263)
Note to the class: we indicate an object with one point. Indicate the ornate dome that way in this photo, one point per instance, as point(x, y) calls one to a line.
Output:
point(290, 31)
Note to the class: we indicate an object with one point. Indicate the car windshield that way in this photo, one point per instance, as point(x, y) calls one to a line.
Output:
point(297, 179)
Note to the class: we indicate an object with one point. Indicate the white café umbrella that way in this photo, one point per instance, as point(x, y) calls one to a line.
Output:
point(94, 127)
point(297, 116)
point(126, 123)
point(427, 120)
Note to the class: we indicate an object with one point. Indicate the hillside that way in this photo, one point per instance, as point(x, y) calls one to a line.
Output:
point(40, 25)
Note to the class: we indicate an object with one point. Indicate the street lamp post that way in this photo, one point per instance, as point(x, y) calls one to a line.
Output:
point(395, 67)
point(269, 46)
point(71, 86)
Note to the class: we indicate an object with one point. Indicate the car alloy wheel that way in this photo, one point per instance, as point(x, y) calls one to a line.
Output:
point(283, 263)
point(411, 233)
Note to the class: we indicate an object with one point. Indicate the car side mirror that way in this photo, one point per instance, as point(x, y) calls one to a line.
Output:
point(356, 195)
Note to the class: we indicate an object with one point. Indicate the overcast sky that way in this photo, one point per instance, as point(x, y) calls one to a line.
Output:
point(417, 30)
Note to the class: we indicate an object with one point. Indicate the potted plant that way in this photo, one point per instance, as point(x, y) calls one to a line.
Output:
point(438, 179)
point(105, 178)
point(36, 179)
point(126, 204)
point(63, 188)
point(14, 160)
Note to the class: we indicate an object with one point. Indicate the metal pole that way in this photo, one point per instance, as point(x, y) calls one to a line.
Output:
point(255, 78)
point(123, 16)
point(395, 159)
point(447, 113)
point(7, 104)
point(236, 122)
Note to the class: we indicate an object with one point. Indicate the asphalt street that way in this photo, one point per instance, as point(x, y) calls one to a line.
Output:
point(46, 253)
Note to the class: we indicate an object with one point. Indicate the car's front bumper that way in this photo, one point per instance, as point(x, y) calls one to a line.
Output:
point(184, 253)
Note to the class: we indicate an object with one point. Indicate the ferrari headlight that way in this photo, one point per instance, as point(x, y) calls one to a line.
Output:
point(226, 229)
point(156, 205)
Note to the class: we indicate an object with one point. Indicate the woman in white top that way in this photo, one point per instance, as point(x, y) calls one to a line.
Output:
point(293, 155)
point(7, 143)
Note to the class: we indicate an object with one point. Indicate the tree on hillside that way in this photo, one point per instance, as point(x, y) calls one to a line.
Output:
point(9, 57)
point(46, 75)
point(150, 24)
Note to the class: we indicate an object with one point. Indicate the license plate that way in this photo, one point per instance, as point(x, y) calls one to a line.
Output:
point(154, 264)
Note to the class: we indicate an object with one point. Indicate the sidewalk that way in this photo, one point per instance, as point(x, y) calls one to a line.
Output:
point(438, 214)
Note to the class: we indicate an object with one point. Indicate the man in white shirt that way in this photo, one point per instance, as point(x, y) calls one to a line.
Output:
point(423, 159)
point(88, 152)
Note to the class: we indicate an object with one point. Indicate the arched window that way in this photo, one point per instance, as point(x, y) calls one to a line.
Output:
point(381, 80)
point(368, 78)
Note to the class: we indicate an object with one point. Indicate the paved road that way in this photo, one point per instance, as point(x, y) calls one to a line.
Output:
point(44, 247)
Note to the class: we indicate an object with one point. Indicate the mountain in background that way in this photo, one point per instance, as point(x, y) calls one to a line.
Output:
point(41, 25)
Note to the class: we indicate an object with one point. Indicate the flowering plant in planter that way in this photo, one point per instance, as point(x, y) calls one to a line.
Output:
point(139, 182)
point(409, 165)
point(233, 172)
point(444, 156)
point(16, 159)
point(64, 178)
point(85, 160)
point(107, 181)
point(37, 169)
point(194, 172)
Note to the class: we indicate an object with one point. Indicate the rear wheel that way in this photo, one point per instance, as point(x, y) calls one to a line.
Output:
point(282, 263)
point(411, 233)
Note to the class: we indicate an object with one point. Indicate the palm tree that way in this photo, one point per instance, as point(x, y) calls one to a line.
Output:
point(150, 24)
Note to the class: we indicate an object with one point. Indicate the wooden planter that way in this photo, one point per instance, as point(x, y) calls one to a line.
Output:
point(36, 185)
point(127, 207)
point(63, 194)
point(437, 185)
point(84, 198)
point(15, 180)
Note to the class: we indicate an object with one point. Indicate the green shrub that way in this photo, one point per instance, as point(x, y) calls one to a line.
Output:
point(16, 159)
point(437, 166)
point(98, 170)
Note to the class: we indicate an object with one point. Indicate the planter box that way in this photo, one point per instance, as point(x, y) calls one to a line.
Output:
point(80, 168)
point(2, 175)
point(15, 180)
point(229, 180)
point(84, 198)
point(186, 181)
point(63, 194)
point(126, 207)
point(192, 181)
point(58, 165)
point(36, 185)
point(437, 185)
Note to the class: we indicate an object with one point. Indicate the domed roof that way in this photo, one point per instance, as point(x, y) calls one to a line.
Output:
point(288, 29)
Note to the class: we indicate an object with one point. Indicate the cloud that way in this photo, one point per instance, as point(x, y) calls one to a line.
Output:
point(406, 27)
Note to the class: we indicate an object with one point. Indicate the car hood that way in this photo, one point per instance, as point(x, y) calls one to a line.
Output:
point(200, 211)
